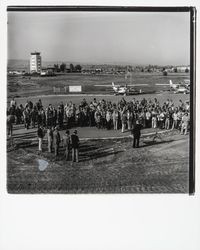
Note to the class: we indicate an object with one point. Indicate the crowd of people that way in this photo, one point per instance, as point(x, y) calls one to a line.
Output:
point(102, 114)
point(123, 115)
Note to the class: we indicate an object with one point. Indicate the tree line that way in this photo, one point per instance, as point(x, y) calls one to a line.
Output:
point(63, 68)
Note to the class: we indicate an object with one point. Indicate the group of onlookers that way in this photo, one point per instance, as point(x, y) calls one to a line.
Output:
point(103, 114)
point(55, 141)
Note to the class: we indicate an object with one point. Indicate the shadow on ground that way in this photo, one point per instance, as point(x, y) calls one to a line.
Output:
point(152, 143)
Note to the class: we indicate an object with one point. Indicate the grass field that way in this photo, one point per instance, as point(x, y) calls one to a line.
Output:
point(20, 86)
point(43, 88)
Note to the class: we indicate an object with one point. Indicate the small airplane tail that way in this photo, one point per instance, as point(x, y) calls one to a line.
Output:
point(113, 84)
point(170, 83)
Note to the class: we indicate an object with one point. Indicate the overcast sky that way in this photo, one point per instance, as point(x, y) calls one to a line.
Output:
point(101, 37)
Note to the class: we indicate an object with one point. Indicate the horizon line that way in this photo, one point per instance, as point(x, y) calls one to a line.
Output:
point(106, 63)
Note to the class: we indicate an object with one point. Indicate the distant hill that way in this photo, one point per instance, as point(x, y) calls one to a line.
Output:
point(18, 64)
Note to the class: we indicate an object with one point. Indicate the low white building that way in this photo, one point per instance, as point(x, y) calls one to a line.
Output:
point(183, 68)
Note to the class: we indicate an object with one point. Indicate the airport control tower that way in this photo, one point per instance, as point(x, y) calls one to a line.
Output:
point(35, 62)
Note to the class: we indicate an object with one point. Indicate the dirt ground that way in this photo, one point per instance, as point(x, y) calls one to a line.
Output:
point(105, 166)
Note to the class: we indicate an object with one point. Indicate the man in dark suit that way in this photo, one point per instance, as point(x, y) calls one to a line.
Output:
point(75, 146)
point(56, 140)
point(66, 144)
point(136, 134)
point(40, 134)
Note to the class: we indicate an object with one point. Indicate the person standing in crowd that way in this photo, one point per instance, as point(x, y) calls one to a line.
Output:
point(91, 115)
point(108, 119)
point(50, 139)
point(13, 103)
point(143, 118)
point(97, 116)
point(123, 119)
point(50, 114)
point(20, 113)
point(39, 118)
point(136, 134)
point(66, 144)
point(47, 116)
point(30, 105)
point(10, 121)
point(26, 115)
point(43, 116)
point(103, 118)
point(167, 120)
point(39, 104)
point(148, 119)
point(154, 119)
point(187, 106)
point(54, 117)
point(77, 117)
point(62, 110)
point(115, 117)
point(175, 120)
point(60, 117)
point(75, 146)
point(40, 134)
point(129, 119)
point(33, 115)
point(56, 141)
point(73, 114)
point(185, 123)
point(179, 118)
point(66, 114)
point(162, 120)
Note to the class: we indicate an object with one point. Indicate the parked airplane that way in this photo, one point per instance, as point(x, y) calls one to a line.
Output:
point(173, 86)
point(119, 89)
point(127, 89)
point(183, 87)
point(179, 88)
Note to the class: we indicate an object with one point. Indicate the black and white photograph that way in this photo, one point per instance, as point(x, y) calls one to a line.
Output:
point(99, 125)
point(100, 100)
